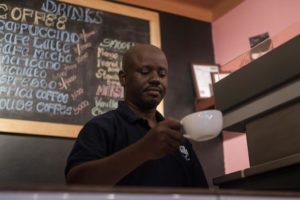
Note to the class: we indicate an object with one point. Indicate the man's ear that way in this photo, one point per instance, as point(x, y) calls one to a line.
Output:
point(122, 76)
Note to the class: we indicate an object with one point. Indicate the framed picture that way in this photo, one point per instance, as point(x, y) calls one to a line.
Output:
point(217, 76)
point(202, 79)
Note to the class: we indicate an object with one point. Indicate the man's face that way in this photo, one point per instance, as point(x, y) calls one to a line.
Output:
point(146, 78)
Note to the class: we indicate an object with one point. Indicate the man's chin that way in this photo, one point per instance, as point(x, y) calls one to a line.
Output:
point(152, 103)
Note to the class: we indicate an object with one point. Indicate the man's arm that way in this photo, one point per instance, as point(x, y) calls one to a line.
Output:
point(158, 142)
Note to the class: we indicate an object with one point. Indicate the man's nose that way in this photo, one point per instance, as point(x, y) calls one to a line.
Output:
point(154, 77)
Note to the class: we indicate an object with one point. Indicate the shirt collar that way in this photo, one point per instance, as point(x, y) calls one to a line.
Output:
point(125, 111)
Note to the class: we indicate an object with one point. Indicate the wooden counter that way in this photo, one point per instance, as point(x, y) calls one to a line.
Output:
point(280, 174)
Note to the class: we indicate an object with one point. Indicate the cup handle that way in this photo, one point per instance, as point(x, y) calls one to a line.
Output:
point(183, 133)
point(187, 136)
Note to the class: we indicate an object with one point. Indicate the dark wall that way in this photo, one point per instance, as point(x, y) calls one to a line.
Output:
point(33, 160)
point(184, 41)
point(40, 160)
point(187, 41)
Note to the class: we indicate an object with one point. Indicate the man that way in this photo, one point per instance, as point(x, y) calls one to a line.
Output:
point(134, 145)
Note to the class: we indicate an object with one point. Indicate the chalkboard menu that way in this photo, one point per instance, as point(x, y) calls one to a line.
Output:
point(59, 62)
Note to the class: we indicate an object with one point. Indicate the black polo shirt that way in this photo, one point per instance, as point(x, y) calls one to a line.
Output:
point(115, 130)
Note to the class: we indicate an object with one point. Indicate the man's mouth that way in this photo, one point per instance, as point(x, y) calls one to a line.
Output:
point(153, 91)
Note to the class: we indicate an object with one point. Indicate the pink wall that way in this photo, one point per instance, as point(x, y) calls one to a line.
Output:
point(230, 37)
point(252, 17)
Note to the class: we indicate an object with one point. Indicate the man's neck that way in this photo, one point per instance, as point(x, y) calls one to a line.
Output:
point(147, 114)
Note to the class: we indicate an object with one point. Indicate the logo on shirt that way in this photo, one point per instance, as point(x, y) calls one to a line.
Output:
point(184, 152)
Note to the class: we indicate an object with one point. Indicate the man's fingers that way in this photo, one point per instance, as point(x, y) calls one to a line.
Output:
point(171, 123)
point(174, 144)
point(175, 135)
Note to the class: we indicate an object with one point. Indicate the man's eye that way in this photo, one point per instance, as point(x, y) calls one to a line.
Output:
point(162, 73)
point(145, 71)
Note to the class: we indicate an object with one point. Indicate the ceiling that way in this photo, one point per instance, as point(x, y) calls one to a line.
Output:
point(204, 10)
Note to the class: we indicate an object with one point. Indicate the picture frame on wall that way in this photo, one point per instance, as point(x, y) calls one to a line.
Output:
point(202, 79)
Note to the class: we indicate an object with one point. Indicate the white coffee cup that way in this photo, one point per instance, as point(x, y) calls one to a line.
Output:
point(203, 125)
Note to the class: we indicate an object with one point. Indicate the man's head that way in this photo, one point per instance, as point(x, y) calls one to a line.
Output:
point(144, 76)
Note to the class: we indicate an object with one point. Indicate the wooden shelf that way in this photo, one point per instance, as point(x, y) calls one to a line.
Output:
point(204, 104)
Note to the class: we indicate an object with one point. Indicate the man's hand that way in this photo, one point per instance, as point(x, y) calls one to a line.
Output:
point(161, 140)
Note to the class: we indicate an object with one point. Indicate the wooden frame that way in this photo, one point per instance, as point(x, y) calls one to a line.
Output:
point(116, 8)
point(70, 130)
point(202, 79)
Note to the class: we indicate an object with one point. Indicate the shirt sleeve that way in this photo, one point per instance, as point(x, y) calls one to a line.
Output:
point(91, 144)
